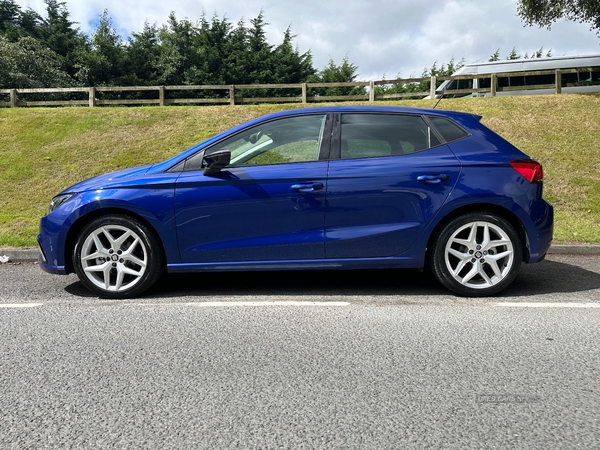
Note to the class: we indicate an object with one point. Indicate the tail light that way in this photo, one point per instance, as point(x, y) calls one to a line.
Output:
point(529, 169)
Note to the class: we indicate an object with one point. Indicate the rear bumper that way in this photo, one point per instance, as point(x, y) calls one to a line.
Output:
point(544, 225)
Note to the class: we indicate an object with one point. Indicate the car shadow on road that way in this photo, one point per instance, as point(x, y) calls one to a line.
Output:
point(548, 277)
point(552, 277)
point(299, 283)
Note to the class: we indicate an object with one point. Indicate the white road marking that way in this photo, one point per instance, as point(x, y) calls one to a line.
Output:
point(549, 305)
point(266, 303)
point(20, 305)
point(272, 303)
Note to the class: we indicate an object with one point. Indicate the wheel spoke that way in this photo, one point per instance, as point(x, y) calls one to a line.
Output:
point(119, 241)
point(459, 267)
point(129, 271)
point(469, 276)
point(106, 232)
point(494, 265)
point(94, 256)
point(120, 277)
point(97, 242)
point(499, 256)
point(135, 260)
point(498, 243)
point(107, 271)
point(486, 236)
point(101, 251)
point(463, 259)
point(484, 275)
point(97, 268)
point(459, 255)
point(471, 241)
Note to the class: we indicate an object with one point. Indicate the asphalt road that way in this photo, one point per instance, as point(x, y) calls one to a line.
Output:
point(363, 359)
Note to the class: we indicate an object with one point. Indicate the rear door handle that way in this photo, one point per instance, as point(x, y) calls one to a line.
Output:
point(434, 179)
point(308, 187)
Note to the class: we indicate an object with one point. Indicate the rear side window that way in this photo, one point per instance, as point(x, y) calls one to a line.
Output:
point(377, 135)
point(448, 129)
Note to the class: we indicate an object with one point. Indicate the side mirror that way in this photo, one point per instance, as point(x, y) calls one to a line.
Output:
point(214, 162)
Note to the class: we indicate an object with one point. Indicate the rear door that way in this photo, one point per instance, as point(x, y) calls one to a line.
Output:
point(390, 177)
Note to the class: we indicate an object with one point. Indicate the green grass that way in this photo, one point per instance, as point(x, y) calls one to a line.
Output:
point(44, 150)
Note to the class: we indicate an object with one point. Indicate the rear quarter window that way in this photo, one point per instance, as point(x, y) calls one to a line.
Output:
point(448, 129)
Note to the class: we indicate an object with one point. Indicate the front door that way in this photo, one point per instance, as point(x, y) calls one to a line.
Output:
point(267, 205)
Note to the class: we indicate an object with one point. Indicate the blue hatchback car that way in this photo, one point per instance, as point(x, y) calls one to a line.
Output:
point(317, 188)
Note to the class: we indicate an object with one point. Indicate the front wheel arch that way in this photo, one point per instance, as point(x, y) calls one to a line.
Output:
point(83, 221)
point(117, 256)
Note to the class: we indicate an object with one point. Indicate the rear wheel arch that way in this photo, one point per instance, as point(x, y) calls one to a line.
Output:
point(488, 208)
point(476, 254)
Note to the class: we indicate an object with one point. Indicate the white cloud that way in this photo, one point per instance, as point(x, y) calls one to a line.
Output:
point(385, 37)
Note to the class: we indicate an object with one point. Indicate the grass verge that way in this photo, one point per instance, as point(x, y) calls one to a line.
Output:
point(44, 150)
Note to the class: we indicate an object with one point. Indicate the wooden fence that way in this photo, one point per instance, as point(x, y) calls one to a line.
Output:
point(18, 97)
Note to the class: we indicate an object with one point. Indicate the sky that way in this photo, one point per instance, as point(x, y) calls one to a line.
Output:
point(384, 38)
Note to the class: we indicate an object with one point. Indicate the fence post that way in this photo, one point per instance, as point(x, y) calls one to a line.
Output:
point(433, 86)
point(558, 81)
point(494, 85)
point(92, 92)
point(13, 98)
point(232, 94)
point(372, 91)
point(304, 98)
point(161, 95)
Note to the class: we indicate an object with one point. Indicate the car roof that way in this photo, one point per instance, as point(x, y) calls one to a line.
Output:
point(369, 109)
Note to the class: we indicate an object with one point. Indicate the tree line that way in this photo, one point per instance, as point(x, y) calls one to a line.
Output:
point(51, 51)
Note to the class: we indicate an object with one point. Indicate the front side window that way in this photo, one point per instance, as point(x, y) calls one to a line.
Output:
point(288, 140)
point(376, 135)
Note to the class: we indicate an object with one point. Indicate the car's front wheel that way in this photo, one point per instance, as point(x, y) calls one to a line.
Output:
point(476, 255)
point(117, 256)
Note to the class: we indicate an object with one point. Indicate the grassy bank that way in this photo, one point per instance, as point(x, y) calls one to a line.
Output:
point(45, 150)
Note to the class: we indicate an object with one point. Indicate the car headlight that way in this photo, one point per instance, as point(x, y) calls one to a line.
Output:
point(57, 201)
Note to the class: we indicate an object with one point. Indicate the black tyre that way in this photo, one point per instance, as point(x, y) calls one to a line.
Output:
point(116, 256)
point(476, 255)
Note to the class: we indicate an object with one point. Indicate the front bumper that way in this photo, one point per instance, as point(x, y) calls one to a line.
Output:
point(48, 258)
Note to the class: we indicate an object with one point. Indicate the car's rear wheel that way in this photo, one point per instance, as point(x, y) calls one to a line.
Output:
point(477, 254)
point(117, 256)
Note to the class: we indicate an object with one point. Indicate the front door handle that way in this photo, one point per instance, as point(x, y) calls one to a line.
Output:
point(308, 187)
point(434, 179)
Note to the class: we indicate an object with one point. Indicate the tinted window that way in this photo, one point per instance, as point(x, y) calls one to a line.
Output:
point(448, 129)
point(568, 78)
point(484, 83)
point(502, 81)
point(375, 135)
point(532, 80)
point(517, 81)
point(460, 84)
